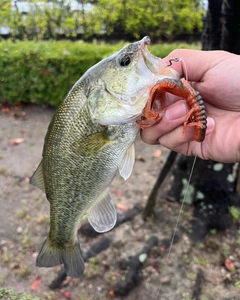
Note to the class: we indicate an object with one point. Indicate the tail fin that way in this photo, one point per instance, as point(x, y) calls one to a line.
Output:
point(72, 259)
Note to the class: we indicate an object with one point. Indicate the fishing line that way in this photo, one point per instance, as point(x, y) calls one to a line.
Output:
point(179, 59)
point(185, 74)
point(176, 226)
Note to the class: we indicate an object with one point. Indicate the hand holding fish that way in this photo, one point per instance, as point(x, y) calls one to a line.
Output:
point(216, 75)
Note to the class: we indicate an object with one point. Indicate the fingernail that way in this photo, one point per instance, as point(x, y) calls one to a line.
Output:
point(176, 111)
point(210, 124)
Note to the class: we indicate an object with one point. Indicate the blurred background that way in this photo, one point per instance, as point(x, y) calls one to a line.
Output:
point(111, 20)
point(45, 47)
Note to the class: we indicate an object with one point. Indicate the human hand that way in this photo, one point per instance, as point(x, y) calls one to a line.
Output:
point(216, 75)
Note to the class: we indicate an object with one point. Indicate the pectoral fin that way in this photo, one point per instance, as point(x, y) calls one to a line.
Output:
point(37, 178)
point(126, 167)
point(92, 144)
point(102, 215)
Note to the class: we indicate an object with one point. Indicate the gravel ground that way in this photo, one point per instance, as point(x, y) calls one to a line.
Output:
point(206, 270)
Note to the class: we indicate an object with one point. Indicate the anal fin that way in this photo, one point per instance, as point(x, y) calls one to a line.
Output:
point(102, 214)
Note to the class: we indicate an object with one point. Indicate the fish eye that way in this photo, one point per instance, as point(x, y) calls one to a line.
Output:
point(125, 60)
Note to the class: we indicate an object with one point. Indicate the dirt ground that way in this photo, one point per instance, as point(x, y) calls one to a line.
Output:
point(207, 270)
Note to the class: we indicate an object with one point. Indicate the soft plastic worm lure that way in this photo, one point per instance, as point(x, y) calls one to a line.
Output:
point(154, 110)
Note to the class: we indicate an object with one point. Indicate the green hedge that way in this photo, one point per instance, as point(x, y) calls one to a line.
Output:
point(7, 294)
point(43, 72)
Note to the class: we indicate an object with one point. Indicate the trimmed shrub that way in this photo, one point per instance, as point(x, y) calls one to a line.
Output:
point(7, 294)
point(44, 72)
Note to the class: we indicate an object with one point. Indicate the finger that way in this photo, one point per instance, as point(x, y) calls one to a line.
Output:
point(174, 116)
point(182, 141)
point(178, 139)
point(170, 99)
point(196, 62)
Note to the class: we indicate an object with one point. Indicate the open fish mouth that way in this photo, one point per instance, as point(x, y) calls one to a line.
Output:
point(153, 63)
point(145, 41)
point(154, 109)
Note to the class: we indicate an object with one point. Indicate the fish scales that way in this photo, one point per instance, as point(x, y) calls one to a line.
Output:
point(68, 190)
point(89, 139)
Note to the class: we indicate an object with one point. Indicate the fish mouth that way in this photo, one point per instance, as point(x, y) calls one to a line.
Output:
point(153, 63)
point(144, 42)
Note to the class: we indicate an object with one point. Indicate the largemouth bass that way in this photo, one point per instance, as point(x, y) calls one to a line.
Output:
point(89, 139)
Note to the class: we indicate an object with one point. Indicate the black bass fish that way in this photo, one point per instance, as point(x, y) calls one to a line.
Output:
point(89, 139)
